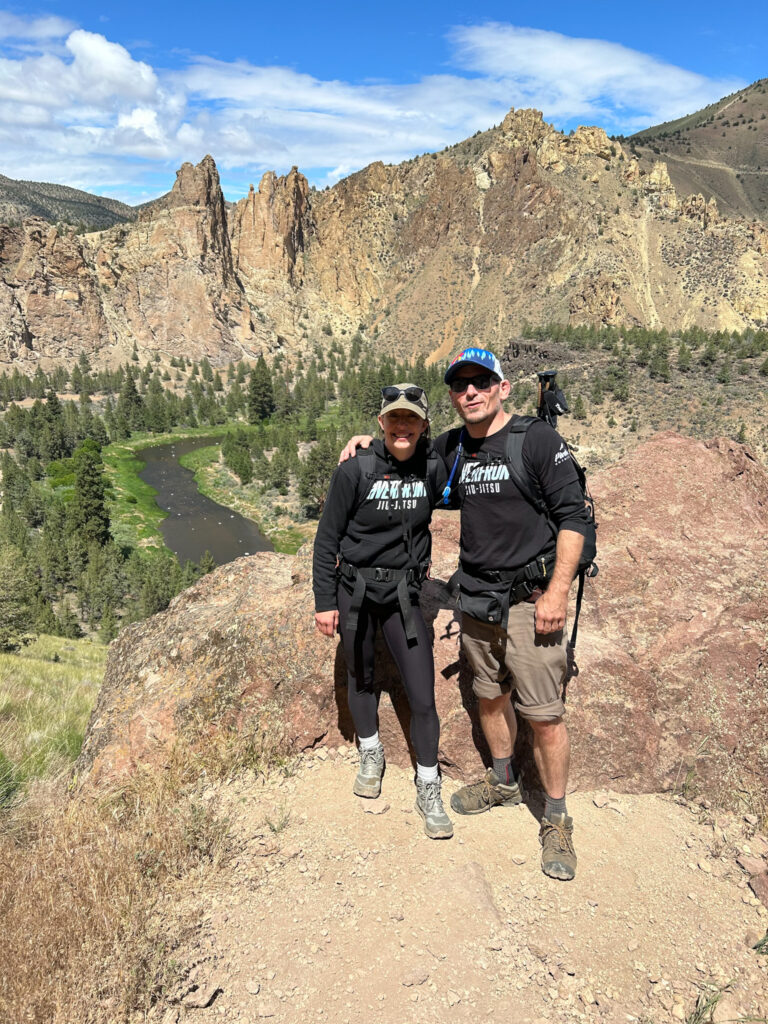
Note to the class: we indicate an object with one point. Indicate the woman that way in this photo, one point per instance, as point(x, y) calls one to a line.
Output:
point(371, 555)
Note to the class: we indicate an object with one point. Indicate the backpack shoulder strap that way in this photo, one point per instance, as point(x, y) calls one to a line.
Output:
point(365, 460)
point(433, 465)
point(514, 456)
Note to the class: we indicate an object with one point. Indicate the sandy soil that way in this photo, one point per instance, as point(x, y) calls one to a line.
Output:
point(340, 909)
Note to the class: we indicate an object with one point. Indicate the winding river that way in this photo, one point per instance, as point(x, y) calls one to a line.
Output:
point(196, 524)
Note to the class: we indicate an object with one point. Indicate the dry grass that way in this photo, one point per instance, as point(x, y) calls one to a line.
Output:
point(47, 691)
point(84, 886)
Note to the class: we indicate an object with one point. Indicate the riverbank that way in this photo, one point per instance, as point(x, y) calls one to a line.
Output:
point(215, 481)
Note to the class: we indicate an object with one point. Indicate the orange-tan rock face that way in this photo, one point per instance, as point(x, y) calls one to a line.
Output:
point(168, 280)
point(671, 687)
point(518, 224)
point(51, 303)
point(269, 228)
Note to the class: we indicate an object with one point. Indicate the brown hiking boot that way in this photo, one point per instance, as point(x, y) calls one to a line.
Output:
point(487, 793)
point(558, 857)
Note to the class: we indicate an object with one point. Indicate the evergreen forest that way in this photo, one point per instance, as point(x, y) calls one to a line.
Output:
point(64, 571)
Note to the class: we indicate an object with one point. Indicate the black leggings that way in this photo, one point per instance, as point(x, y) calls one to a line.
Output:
point(414, 660)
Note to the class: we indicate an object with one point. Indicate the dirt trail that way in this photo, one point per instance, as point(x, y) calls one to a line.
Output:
point(340, 909)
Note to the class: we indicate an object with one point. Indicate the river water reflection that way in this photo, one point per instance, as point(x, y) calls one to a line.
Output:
point(195, 524)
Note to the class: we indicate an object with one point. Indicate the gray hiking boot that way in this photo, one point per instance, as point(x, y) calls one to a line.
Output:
point(487, 793)
point(558, 857)
point(368, 780)
point(429, 804)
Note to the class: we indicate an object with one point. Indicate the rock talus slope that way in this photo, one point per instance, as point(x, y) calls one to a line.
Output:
point(671, 690)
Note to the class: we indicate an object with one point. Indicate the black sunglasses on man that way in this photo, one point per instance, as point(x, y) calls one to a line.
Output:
point(480, 382)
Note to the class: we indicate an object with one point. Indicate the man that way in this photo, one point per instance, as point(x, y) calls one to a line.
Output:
point(517, 566)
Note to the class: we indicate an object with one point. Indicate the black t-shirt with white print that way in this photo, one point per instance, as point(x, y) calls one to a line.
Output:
point(500, 529)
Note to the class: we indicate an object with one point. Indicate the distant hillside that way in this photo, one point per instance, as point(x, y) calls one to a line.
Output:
point(720, 151)
point(59, 204)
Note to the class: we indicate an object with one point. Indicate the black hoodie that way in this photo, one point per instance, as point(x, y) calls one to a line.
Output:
point(389, 529)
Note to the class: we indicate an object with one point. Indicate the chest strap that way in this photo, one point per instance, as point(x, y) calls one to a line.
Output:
point(375, 574)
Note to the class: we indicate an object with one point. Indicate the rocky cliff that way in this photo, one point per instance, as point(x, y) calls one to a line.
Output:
point(671, 689)
point(520, 223)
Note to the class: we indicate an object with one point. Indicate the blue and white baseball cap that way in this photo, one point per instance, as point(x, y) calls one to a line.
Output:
point(481, 357)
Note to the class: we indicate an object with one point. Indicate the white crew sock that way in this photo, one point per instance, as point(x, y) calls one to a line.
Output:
point(369, 742)
point(426, 774)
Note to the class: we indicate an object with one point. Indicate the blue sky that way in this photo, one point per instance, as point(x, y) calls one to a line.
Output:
point(115, 102)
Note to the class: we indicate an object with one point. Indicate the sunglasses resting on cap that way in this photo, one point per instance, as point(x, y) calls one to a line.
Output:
point(404, 396)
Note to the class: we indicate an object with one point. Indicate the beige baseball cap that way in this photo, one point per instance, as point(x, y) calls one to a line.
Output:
point(405, 396)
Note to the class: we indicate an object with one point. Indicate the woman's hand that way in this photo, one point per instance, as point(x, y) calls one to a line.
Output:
point(327, 622)
point(358, 441)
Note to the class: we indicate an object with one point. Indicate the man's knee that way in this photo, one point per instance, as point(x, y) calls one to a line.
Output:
point(547, 728)
point(489, 706)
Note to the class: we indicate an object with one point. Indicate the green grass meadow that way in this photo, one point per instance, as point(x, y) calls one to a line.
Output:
point(47, 692)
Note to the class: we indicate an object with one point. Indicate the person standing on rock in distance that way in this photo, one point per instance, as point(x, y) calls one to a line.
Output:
point(516, 568)
point(371, 555)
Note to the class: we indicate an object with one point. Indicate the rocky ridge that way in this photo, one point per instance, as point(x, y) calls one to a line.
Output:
point(670, 690)
point(519, 223)
point(59, 203)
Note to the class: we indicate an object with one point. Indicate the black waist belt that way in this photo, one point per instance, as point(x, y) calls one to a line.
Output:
point(520, 583)
point(379, 575)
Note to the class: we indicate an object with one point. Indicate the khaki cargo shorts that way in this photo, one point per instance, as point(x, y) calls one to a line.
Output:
point(533, 665)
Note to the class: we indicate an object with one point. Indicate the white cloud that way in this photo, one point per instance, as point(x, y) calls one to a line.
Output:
point(16, 28)
point(580, 78)
point(104, 71)
point(79, 109)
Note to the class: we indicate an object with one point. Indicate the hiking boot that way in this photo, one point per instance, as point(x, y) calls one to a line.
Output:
point(487, 793)
point(558, 857)
point(368, 780)
point(429, 804)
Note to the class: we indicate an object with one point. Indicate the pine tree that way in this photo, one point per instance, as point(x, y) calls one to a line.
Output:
point(261, 398)
point(206, 563)
point(683, 358)
point(130, 406)
point(659, 365)
point(108, 627)
point(87, 513)
point(16, 611)
point(314, 476)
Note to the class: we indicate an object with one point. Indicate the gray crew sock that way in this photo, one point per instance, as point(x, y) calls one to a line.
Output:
point(505, 770)
point(552, 806)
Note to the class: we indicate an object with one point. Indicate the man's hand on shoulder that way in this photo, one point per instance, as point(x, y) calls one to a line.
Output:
point(358, 441)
